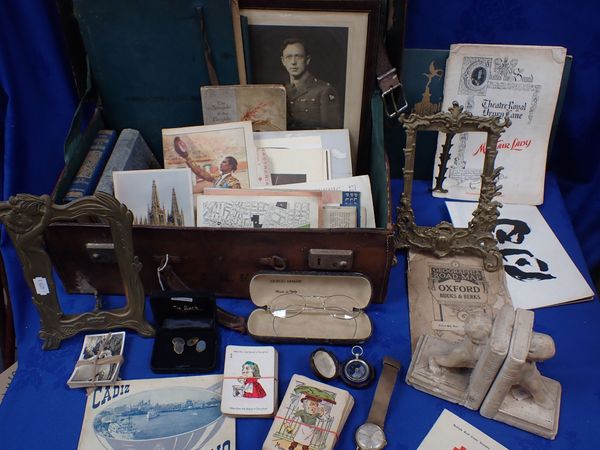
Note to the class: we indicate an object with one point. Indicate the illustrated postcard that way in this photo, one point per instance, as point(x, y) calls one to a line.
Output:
point(159, 413)
point(99, 361)
point(311, 415)
point(262, 104)
point(222, 156)
point(157, 197)
point(249, 381)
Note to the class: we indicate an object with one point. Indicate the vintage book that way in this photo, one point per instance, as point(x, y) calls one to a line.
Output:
point(521, 82)
point(262, 104)
point(443, 292)
point(539, 271)
point(99, 361)
point(221, 155)
point(157, 413)
point(157, 197)
point(91, 169)
point(250, 381)
point(247, 208)
point(336, 141)
point(130, 153)
point(451, 432)
point(311, 414)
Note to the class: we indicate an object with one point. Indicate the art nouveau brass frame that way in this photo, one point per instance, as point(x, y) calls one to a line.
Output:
point(444, 239)
point(27, 216)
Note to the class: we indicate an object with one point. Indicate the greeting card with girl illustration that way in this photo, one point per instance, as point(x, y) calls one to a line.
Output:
point(250, 381)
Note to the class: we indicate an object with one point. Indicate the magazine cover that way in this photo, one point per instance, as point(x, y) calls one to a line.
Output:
point(181, 413)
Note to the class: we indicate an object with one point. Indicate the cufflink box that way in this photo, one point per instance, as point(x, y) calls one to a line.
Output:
point(187, 336)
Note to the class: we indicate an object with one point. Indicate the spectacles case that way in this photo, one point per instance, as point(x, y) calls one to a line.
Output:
point(324, 296)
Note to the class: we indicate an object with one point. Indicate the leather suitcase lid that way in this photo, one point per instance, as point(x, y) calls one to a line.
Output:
point(147, 59)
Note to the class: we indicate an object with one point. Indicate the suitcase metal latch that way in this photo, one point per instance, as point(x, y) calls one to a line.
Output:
point(328, 259)
point(101, 252)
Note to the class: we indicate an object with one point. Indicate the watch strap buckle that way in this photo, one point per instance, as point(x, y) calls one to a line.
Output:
point(392, 93)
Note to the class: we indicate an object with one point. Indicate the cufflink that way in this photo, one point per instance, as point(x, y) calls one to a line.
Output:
point(178, 345)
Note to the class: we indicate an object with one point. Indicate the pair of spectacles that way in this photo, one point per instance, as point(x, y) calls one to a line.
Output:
point(341, 307)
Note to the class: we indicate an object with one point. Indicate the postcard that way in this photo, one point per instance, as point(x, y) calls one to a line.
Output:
point(181, 412)
point(494, 81)
point(262, 104)
point(337, 142)
point(311, 414)
point(250, 381)
point(450, 432)
point(361, 184)
point(287, 166)
point(157, 197)
point(99, 361)
point(221, 155)
point(539, 271)
point(247, 208)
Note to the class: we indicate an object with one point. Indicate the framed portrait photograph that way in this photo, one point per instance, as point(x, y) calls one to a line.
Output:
point(324, 53)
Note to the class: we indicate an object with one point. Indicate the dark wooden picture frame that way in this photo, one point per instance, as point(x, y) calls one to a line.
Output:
point(358, 121)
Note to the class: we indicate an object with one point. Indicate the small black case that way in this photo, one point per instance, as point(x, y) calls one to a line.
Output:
point(185, 318)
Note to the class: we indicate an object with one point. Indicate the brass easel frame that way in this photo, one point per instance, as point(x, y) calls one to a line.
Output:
point(26, 218)
point(444, 239)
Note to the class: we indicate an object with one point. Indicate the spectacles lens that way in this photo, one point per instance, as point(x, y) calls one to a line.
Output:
point(287, 305)
point(342, 307)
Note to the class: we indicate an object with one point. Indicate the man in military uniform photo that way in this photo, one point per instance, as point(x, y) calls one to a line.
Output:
point(311, 103)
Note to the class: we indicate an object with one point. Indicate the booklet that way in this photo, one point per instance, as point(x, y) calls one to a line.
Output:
point(99, 361)
point(539, 271)
point(249, 381)
point(492, 81)
point(161, 413)
point(451, 432)
point(311, 414)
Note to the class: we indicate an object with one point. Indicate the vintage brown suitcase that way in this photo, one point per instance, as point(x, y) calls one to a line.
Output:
point(146, 65)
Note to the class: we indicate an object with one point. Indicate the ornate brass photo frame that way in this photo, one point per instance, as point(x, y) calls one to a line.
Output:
point(26, 217)
point(444, 239)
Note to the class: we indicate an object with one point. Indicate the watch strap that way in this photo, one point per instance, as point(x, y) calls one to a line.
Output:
point(383, 392)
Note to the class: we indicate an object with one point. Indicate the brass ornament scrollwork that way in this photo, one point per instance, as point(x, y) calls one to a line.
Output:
point(444, 239)
point(26, 217)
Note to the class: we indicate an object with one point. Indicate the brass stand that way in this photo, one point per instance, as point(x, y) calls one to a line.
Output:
point(26, 218)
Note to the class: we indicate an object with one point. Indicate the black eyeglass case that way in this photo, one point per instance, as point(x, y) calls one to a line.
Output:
point(320, 321)
point(187, 336)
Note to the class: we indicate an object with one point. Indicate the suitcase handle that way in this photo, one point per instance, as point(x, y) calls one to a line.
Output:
point(274, 262)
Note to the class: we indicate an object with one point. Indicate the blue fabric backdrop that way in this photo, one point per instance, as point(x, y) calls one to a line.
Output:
point(574, 158)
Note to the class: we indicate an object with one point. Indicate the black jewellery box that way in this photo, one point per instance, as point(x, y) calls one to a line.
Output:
point(186, 337)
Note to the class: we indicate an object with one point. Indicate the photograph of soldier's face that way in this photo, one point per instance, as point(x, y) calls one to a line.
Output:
point(294, 59)
point(311, 63)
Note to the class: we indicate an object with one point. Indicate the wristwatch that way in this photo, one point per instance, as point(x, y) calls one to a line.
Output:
point(370, 435)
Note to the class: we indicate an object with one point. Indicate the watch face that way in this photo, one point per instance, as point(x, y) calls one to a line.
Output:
point(370, 437)
point(357, 370)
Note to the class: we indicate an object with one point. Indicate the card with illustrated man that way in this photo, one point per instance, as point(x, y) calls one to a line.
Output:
point(311, 415)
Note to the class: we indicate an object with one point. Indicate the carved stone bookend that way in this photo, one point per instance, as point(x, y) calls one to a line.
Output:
point(26, 218)
point(520, 395)
point(443, 239)
point(462, 372)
